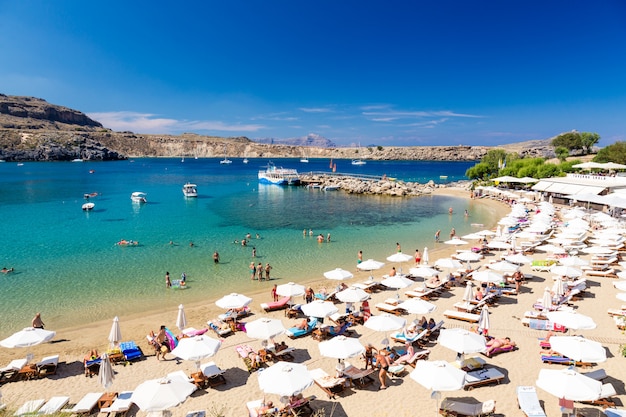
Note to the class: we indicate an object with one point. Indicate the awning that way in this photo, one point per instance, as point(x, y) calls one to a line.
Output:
point(571, 189)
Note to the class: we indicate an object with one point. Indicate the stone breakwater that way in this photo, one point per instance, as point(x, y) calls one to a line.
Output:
point(374, 186)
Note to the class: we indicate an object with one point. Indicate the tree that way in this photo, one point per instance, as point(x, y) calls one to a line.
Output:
point(588, 140)
point(562, 153)
point(479, 171)
point(612, 153)
point(570, 140)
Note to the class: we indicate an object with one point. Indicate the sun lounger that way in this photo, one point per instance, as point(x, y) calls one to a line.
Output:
point(29, 407)
point(459, 315)
point(424, 295)
point(564, 360)
point(356, 376)
point(528, 401)
point(598, 374)
point(254, 406)
point(452, 407)
point(368, 286)
point(121, 404)
point(54, 405)
point(614, 412)
point(221, 328)
point(214, 375)
point(419, 355)
point(541, 324)
point(276, 305)
point(606, 394)
point(92, 367)
point(131, 351)
point(402, 338)
point(390, 308)
point(606, 273)
point(330, 385)
point(295, 332)
point(482, 377)
point(470, 364)
point(11, 371)
point(616, 312)
point(235, 314)
point(86, 404)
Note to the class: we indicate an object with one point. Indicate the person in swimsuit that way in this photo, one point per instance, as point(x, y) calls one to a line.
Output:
point(369, 355)
point(383, 363)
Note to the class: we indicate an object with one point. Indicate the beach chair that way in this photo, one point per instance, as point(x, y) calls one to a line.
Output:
point(235, 314)
point(330, 385)
point(482, 377)
point(390, 308)
point(92, 367)
point(214, 375)
point(606, 394)
point(244, 353)
point(11, 371)
point(424, 294)
point(434, 332)
point(47, 366)
point(121, 405)
point(295, 332)
point(528, 401)
point(276, 305)
point(86, 404)
point(459, 315)
point(418, 355)
point(54, 405)
point(402, 338)
point(564, 360)
point(359, 377)
point(597, 374)
point(29, 407)
point(254, 406)
point(606, 273)
point(614, 412)
point(131, 351)
point(220, 327)
point(453, 407)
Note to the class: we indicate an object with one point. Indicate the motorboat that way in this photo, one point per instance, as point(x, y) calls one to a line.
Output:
point(225, 160)
point(245, 160)
point(278, 176)
point(87, 196)
point(138, 197)
point(331, 188)
point(190, 190)
point(358, 162)
point(88, 206)
point(77, 160)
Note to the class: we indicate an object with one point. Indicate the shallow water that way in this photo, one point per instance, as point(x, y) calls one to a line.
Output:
point(69, 267)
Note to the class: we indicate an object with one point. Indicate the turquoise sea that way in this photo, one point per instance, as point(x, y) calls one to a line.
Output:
point(68, 266)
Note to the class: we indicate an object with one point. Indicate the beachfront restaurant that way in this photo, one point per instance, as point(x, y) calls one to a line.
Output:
point(573, 187)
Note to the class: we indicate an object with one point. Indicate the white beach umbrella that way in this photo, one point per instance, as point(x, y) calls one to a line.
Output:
point(196, 348)
point(578, 348)
point(620, 285)
point(550, 248)
point(319, 309)
point(397, 282)
point(234, 300)
point(105, 374)
point(28, 336)
point(487, 276)
point(571, 320)
point(461, 341)
point(399, 257)
point(352, 295)
point(341, 347)
point(455, 241)
point(115, 335)
point(573, 261)
point(285, 379)
point(370, 265)
point(518, 258)
point(468, 256)
point(621, 296)
point(498, 244)
point(503, 266)
point(290, 289)
point(486, 233)
point(567, 271)
point(472, 236)
point(483, 320)
point(597, 250)
point(425, 257)
point(423, 271)
point(546, 300)
point(418, 306)
point(264, 328)
point(438, 375)
point(569, 384)
point(468, 293)
point(338, 274)
point(385, 323)
point(447, 263)
point(181, 318)
point(161, 394)
point(559, 287)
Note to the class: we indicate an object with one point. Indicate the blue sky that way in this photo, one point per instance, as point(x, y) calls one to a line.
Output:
point(405, 73)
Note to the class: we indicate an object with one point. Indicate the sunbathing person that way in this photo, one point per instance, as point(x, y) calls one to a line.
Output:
point(433, 282)
point(495, 344)
point(304, 324)
point(408, 355)
point(92, 355)
point(431, 323)
point(422, 323)
point(267, 408)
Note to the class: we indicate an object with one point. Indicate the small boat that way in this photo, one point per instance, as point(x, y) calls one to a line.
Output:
point(278, 176)
point(190, 190)
point(20, 164)
point(314, 186)
point(358, 162)
point(77, 160)
point(245, 160)
point(331, 188)
point(443, 177)
point(88, 206)
point(304, 160)
point(225, 160)
point(125, 242)
point(91, 171)
point(90, 195)
point(138, 197)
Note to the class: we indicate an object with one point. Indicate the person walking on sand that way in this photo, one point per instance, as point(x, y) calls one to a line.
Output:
point(418, 257)
point(268, 268)
point(168, 281)
point(382, 360)
point(274, 295)
point(37, 322)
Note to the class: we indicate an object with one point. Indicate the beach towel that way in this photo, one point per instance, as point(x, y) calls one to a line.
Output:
point(171, 338)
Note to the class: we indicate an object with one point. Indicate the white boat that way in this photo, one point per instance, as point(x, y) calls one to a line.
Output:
point(331, 188)
point(190, 190)
point(77, 160)
point(278, 176)
point(358, 162)
point(138, 197)
point(88, 206)
point(225, 160)
point(245, 160)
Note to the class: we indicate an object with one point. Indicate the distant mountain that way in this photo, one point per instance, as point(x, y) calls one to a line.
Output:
point(311, 140)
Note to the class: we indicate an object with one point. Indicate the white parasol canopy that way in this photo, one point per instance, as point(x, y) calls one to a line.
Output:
point(338, 274)
point(546, 300)
point(568, 271)
point(341, 347)
point(319, 308)
point(438, 375)
point(264, 328)
point(578, 348)
point(115, 335)
point(161, 394)
point(573, 261)
point(425, 257)
point(487, 276)
point(28, 336)
point(518, 258)
point(290, 289)
point(620, 285)
point(483, 320)
point(462, 341)
point(455, 241)
point(468, 293)
point(399, 257)
point(352, 295)
point(397, 282)
point(423, 271)
point(447, 263)
point(196, 348)
point(105, 374)
point(569, 384)
point(416, 305)
point(385, 323)
point(370, 265)
point(181, 318)
point(233, 300)
point(571, 320)
point(468, 256)
point(285, 378)
point(498, 244)
point(503, 266)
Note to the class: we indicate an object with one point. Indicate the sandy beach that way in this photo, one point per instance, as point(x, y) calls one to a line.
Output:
point(404, 397)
